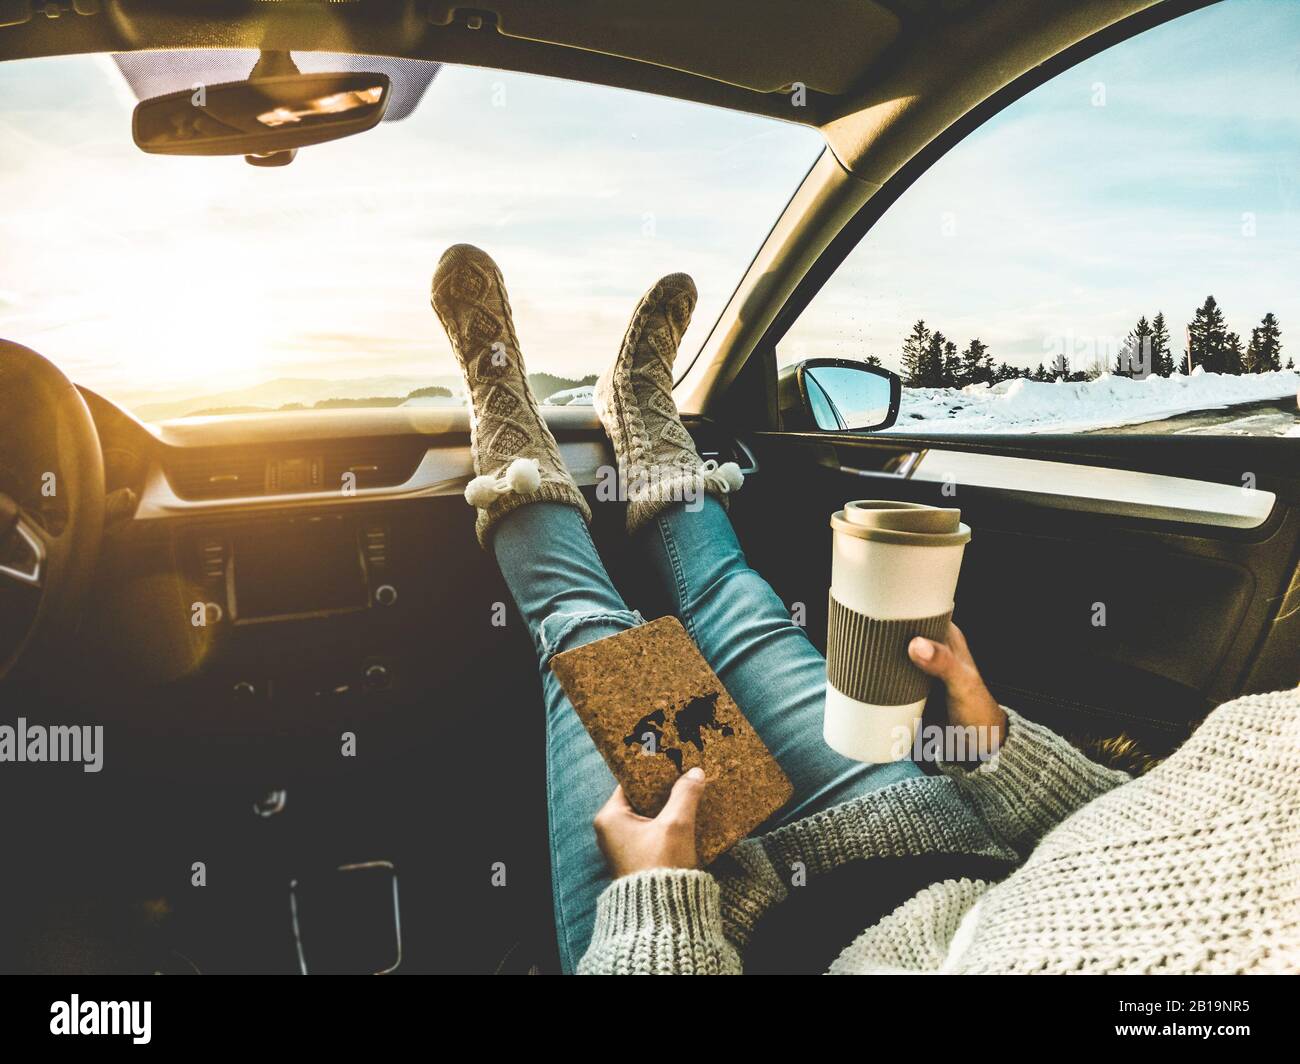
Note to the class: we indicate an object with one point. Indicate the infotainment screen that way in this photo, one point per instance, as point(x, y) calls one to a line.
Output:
point(300, 568)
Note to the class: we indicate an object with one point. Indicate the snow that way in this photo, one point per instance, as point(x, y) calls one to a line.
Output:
point(1026, 406)
point(579, 396)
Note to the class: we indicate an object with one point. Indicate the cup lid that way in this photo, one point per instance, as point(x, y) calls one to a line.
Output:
point(889, 521)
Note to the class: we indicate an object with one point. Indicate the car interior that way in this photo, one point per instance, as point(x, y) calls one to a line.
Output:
point(202, 588)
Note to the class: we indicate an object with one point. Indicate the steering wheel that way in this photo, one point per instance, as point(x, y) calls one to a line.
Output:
point(51, 504)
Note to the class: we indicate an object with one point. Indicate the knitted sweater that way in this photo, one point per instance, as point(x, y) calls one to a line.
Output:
point(1193, 867)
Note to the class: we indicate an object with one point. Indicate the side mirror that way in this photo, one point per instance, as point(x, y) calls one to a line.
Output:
point(261, 116)
point(837, 395)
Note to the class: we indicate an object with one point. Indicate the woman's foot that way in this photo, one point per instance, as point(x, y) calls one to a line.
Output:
point(515, 455)
point(657, 461)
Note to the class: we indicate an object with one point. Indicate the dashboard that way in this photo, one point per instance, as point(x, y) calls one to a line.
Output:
point(286, 573)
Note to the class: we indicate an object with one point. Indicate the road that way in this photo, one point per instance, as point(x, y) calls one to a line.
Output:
point(1271, 417)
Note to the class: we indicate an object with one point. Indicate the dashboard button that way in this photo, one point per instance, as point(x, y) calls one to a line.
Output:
point(378, 678)
point(271, 803)
point(385, 594)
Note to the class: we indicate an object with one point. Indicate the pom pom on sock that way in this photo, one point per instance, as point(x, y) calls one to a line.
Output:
point(481, 491)
point(724, 478)
point(730, 472)
point(523, 476)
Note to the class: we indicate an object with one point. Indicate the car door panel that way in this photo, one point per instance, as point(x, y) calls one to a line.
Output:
point(1096, 623)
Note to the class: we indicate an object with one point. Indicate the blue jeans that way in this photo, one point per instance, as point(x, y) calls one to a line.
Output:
point(740, 626)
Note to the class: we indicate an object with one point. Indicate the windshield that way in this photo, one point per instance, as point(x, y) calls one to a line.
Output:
point(179, 286)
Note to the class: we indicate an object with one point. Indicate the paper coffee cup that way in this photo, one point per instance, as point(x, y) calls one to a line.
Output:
point(894, 568)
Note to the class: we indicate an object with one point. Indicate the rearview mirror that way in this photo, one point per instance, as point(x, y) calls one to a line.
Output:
point(260, 116)
point(837, 395)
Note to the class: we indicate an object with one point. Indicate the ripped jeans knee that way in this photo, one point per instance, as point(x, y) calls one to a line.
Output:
point(557, 631)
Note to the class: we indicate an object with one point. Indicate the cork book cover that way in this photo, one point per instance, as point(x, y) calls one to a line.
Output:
point(655, 710)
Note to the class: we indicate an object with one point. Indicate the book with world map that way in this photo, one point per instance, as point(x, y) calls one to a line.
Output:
point(655, 710)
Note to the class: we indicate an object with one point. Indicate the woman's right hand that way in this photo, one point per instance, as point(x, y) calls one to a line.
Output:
point(633, 843)
point(969, 701)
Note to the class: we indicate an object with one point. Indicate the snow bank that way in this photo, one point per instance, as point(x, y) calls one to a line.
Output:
point(1031, 406)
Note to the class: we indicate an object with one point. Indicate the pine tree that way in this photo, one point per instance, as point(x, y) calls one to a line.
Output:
point(1207, 338)
point(932, 361)
point(953, 377)
point(1231, 357)
point(1264, 355)
point(977, 363)
point(912, 360)
point(1162, 359)
point(1142, 348)
point(872, 360)
point(1135, 358)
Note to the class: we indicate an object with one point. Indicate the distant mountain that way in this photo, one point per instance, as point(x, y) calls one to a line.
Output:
point(306, 392)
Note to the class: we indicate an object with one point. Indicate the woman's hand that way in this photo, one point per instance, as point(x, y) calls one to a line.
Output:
point(634, 843)
point(969, 701)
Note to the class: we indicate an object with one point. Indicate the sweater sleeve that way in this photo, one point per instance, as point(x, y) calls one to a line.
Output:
point(1034, 781)
point(667, 921)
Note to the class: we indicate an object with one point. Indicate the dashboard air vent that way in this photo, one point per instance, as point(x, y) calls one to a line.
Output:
point(217, 473)
point(376, 463)
point(312, 466)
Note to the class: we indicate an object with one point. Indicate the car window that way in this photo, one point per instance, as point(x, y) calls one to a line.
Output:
point(1115, 251)
point(181, 285)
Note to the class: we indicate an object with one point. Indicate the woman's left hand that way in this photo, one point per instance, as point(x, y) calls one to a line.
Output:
point(634, 843)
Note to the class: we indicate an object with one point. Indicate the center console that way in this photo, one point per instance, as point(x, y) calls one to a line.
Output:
point(298, 609)
point(295, 568)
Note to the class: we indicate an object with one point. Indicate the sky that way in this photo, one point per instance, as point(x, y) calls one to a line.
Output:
point(149, 277)
point(1162, 170)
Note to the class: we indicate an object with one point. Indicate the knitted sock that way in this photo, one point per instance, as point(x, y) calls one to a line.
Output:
point(516, 458)
point(656, 456)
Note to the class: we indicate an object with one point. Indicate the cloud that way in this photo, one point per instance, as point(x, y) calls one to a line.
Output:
point(1061, 219)
point(208, 272)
